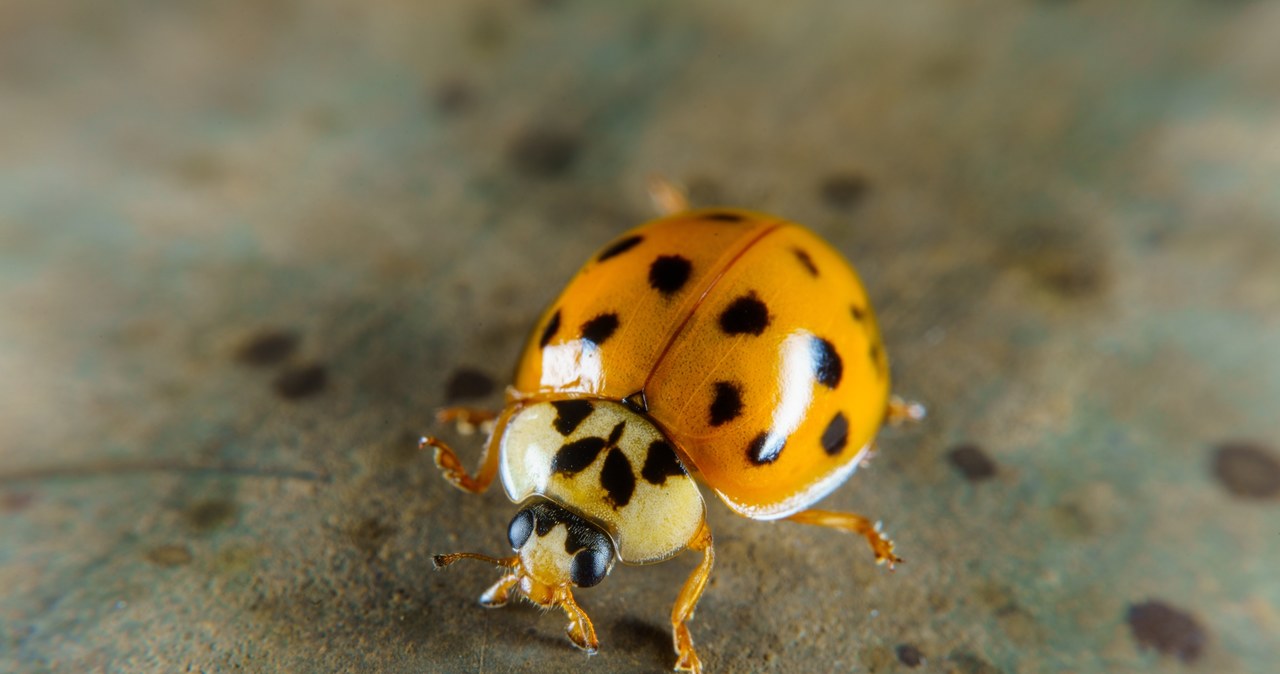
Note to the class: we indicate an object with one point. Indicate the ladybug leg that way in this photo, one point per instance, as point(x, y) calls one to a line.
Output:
point(854, 524)
point(901, 411)
point(666, 197)
point(687, 660)
point(447, 460)
point(580, 630)
point(467, 419)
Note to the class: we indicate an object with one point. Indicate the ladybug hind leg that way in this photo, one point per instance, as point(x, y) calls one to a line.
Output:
point(854, 524)
point(467, 420)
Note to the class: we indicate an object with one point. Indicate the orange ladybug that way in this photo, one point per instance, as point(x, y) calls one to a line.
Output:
point(722, 343)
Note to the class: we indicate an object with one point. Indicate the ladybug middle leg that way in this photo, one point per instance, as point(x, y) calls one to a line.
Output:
point(686, 659)
point(447, 460)
point(855, 524)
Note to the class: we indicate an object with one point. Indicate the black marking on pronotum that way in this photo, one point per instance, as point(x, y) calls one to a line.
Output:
point(669, 273)
point(622, 246)
point(660, 463)
point(570, 413)
point(836, 436)
point(727, 403)
point(765, 448)
point(616, 477)
point(600, 328)
point(746, 315)
point(723, 216)
point(827, 366)
point(572, 458)
point(803, 256)
point(637, 401)
point(550, 331)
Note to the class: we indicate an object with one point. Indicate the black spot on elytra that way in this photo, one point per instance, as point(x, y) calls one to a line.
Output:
point(669, 273)
point(548, 332)
point(617, 478)
point(747, 315)
point(909, 655)
point(764, 449)
point(616, 434)
point(468, 383)
point(803, 256)
point(827, 366)
point(544, 153)
point(972, 462)
point(843, 191)
point(301, 381)
point(619, 247)
point(267, 348)
point(600, 328)
point(572, 458)
point(660, 463)
point(836, 436)
point(1247, 470)
point(876, 354)
point(727, 403)
point(1169, 630)
point(210, 514)
point(570, 413)
point(859, 314)
point(723, 216)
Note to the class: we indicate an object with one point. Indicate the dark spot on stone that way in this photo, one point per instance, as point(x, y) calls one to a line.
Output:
point(300, 382)
point(747, 315)
point(1062, 258)
point(764, 449)
point(972, 462)
point(669, 273)
point(268, 347)
point(723, 216)
point(169, 555)
point(486, 30)
point(827, 366)
point(574, 457)
point(16, 501)
point(843, 191)
point(660, 463)
point(570, 413)
point(369, 534)
point(210, 514)
point(803, 256)
point(836, 436)
point(968, 663)
point(550, 331)
point(619, 247)
point(1247, 470)
point(727, 403)
point(544, 153)
point(616, 434)
point(600, 328)
point(1169, 630)
point(617, 478)
point(468, 383)
point(909, 655)
point(453, 96)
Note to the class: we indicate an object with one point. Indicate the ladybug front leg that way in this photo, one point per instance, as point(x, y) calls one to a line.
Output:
point(580, 630)
point(856, 524)
point(686, 659)
point(447, 460)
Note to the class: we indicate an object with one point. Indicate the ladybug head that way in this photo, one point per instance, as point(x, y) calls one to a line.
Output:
point(556, 546)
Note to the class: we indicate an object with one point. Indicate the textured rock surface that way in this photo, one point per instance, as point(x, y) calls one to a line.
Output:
point(247, 248)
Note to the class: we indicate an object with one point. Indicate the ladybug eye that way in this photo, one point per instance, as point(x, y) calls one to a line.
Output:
point(589, 567)
point(520, 528)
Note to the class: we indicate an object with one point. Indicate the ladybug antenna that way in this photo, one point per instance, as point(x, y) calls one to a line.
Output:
point(441, 561)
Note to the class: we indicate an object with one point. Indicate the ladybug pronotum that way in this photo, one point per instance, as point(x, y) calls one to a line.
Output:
point(721, 343)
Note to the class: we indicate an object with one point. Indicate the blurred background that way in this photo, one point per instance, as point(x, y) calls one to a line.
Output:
point(247, 248)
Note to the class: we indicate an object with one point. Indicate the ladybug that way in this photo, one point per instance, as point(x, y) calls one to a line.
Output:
point(720, 343)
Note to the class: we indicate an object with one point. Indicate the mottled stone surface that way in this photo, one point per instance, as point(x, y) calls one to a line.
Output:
point(245, 248)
